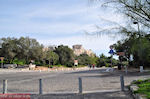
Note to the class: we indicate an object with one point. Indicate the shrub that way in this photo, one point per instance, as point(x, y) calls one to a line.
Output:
point(144, 87)
point(19, 62)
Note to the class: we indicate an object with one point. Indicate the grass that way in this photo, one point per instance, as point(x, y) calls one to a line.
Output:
point(144, 87)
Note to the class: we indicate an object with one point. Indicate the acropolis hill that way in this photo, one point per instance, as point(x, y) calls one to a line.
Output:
point(77, 49)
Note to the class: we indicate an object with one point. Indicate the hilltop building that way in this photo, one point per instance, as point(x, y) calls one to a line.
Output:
point(78, 49)
point(51, 47)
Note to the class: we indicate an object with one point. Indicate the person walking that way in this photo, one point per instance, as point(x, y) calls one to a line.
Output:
point(93, 65)
point(90, 66)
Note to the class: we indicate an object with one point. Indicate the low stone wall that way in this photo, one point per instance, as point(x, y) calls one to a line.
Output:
point(133, 88)
point(55, 69)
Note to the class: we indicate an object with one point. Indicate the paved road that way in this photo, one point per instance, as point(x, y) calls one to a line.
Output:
point(67, 82)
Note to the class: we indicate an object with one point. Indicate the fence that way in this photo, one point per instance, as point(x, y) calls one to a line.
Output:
point(39, 86)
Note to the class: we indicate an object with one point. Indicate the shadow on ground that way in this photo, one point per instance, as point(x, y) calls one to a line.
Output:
point(116, 73)
point(92, 71)
point(102, 95)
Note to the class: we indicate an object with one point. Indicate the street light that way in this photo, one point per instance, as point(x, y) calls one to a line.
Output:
point(1, 57)
point(138, 28)
point(139, 33)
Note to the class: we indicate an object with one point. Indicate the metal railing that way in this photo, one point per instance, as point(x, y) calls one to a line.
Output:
point(40, 86)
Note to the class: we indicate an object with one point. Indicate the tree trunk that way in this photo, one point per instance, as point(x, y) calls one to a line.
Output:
point(49, 63)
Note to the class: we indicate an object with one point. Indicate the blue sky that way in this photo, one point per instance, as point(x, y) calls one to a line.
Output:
point(55, 22)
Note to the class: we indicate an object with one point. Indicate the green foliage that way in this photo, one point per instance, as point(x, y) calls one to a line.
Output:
point(138, 47)
point(107, 64)
point(93, 60)
point(19, 62)
point(102, 61)
point(144, 87)
point(136, 43)
point(84, 59)
point(22, 48)
point(39, 63)
point(65, 54)
point(106, 61)
point(21, 51)
point(52, 57)
point(125, 63)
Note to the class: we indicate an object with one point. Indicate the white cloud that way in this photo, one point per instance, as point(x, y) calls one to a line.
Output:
point(82, 18)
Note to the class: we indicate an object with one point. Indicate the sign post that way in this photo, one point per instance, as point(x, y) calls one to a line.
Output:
point(120, 64)
point(121, 53)
point(112, 53)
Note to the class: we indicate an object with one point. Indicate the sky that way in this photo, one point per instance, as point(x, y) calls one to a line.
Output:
point(55, 22)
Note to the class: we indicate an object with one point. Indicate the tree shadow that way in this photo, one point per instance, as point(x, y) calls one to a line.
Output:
point(116, 73)
point(92, 71)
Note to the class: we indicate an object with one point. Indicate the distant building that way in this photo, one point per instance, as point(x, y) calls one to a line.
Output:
point(51, 47)
point(78, 50)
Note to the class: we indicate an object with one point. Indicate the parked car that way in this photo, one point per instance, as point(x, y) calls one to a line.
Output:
point(10, 66)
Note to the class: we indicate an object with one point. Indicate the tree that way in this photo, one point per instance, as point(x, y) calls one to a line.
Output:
point(52, 57)
point(9, 48)
point(93, 60)
point(84, 59)
point(131, 46)
point(65, 54)
point(106, 61)
point(23, 49)
point(138, 12)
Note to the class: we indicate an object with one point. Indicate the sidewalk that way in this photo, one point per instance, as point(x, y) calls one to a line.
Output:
point(101, 95)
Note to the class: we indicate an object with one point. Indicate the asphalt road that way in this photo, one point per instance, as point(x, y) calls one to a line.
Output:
point(67, 82)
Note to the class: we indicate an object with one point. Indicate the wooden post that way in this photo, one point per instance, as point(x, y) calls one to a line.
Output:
point(4, 86)
point(80, 85)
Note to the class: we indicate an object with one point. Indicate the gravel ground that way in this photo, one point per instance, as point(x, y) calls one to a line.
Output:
point(96, 80)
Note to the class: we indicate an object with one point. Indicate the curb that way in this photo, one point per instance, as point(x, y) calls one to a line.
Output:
point(133, 88)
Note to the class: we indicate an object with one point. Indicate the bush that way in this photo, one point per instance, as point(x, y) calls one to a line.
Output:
point(19, 62)
point(69, 64)
point(38, 63)
point(144, 87)
point(107, 64)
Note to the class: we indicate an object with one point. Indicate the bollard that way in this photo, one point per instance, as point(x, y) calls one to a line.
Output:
point(141, 69)
point(122, 82)
point(80, 85)
point(126, 69)
point(4, 86)
point(1, 65)
point(40, 86)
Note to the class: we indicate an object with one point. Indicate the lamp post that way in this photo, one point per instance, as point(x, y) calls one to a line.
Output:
point(1, 58)
point(139, 34)
point(138, 28)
